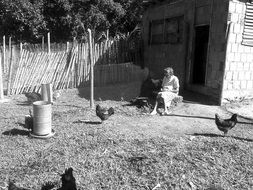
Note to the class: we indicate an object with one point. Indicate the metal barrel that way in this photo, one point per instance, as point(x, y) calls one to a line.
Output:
point(42, 118)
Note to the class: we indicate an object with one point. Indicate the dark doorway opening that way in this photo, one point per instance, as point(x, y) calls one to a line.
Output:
point(200, 54)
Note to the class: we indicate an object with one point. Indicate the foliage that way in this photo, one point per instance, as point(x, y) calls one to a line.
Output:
point(21, 19)
point(58, 18)
point(28, 20)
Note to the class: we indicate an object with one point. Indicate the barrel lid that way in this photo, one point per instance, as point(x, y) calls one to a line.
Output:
point(41, 103)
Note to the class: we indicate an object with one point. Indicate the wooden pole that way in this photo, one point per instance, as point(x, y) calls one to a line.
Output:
point(48, 42)
point(91, 71)
point(1, 81)
point(107, 34)
point(67, 47)
point(10, 68)
point(4, 54)
point(43, 43)
point(21, 48)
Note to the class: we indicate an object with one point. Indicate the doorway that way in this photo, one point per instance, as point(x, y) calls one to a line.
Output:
point(200, 54)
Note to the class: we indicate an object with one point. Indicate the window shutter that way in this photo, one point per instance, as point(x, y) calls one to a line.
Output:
point(248, 25)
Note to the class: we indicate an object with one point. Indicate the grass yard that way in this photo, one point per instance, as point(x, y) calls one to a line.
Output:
point(131, 150)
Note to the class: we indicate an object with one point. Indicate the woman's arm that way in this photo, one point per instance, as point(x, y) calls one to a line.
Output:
point(175, 90)
point(175, 85)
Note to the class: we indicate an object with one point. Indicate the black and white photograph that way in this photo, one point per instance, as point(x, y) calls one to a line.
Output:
point(126, 95)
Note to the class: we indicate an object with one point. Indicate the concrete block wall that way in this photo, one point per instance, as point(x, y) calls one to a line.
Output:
point(238, 76)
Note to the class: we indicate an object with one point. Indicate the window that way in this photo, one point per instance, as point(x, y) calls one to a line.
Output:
point(167, 31)
point(157, 32)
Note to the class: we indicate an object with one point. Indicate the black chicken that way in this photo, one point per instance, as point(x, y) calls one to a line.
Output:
point(29, 121)
point(149, 88)
point(225, 125)
point(12, 186)
point(68, 180)
point(104, 113)
point(33, 96)
point(48, 185)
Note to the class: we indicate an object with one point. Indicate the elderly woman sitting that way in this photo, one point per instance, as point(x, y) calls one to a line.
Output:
point(170, 89)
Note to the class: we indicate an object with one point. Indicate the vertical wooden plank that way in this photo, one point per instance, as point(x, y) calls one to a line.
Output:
point(4, 55)
point(21, 48)
point(67, 47)
point(80, 68)
point(86, 62)
point(43, 43)
point(48, 42)
point(1, 80)
point(107, 34)
point(10, 67)
point(91, 70)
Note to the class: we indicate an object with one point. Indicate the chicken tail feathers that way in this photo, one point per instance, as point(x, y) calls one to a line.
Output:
point(111, 111)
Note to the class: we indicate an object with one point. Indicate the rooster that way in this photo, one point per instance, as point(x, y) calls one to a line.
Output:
point(104, 113)
point(33, 96)
point(68, 180)
point(225, 125)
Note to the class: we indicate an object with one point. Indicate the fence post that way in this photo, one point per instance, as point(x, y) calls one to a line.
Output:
point(67, 47)
point(43, 43)
point(107, 34)
point(10, 67)
point(91, 70)
point(21, 47)
point(48, 42)
point(4, 54)
point(1, 80)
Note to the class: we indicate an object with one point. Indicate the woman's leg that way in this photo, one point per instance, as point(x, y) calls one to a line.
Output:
point(154, 110)
point(167, 99)
point(156, 104)
point(166, 105)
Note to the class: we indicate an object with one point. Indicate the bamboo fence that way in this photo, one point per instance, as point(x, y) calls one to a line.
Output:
point(67, 65)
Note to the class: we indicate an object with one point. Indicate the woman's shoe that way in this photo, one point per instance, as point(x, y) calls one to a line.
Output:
point(167, 113)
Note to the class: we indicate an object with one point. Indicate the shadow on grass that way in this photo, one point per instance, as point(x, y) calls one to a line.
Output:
point(214, 188)
point(24, 104)
point(21, 124)
point(202, 117)
point(16, 132)
point(216, 135)
point(69, 105)
point(88, 122)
